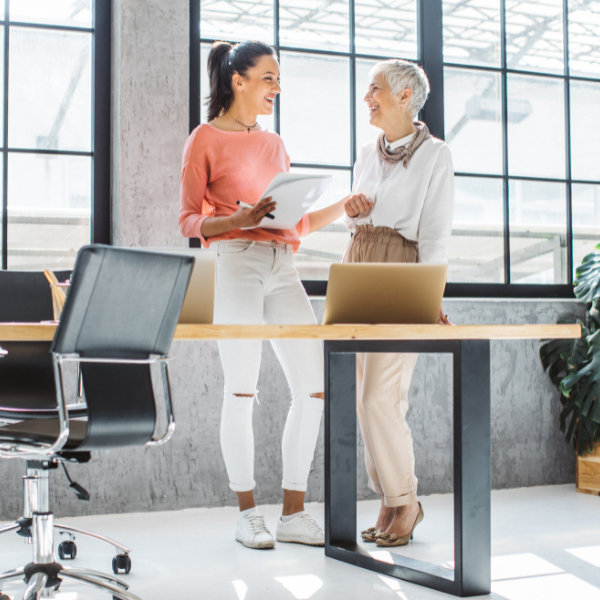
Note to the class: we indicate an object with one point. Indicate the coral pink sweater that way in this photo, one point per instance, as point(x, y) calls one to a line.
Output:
point(220, 167)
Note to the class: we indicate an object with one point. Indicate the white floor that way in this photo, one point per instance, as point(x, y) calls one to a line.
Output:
point(545, 544)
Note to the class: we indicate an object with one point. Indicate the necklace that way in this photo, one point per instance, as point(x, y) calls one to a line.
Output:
point(248, 127)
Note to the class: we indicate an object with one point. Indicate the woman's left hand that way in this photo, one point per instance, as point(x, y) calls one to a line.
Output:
point(443, 318)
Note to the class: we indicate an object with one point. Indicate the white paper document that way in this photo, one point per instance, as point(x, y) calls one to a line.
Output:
point(294, 193)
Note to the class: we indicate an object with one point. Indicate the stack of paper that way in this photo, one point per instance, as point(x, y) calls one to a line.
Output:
point(294, 193)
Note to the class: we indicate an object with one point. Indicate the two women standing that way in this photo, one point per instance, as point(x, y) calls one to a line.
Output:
point(400, 211)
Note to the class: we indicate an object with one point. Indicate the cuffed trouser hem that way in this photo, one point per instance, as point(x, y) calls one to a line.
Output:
point(394, 501)
point(248, 487)
point(294, 487)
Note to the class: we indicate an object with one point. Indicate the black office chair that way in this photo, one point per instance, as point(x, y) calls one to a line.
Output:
point(27, 391)
point(119, 319)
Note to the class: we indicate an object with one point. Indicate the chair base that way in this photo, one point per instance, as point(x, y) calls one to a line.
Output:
point(122, 561)
point(44, 578)
point(36, 493)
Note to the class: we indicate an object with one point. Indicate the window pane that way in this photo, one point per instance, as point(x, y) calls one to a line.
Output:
point(265, 121)
point(237, 20)
point(365, 132)
point(314, 24)
point(50, 89)
point(74, 13)
point(538, 232)
point(584, 37)
point(315, 108)
point(477, 243)
point(386, 28)
point(585, 202)
point(585, 130)
point(536, 129)
point(322, 248)
point(534, 36)
point(472, 32)
point(473, 120)
point(49, 201)
point(1, 211)
point(2, 82)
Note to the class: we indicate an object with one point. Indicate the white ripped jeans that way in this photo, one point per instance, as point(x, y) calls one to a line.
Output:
point(256, 283)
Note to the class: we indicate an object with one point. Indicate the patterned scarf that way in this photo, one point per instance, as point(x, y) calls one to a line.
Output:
point(403, 153)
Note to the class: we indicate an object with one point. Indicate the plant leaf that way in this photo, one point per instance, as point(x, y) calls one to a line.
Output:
point(584, 385)
point(587, 280)
point(561, 357)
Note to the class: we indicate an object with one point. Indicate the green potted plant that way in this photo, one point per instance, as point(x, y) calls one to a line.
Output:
point(574, 368)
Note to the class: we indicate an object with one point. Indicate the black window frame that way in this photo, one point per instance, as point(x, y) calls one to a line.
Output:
point(430, 57)
point(100, 217)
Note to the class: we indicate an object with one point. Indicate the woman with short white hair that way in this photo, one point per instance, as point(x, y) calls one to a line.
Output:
point(400, 211)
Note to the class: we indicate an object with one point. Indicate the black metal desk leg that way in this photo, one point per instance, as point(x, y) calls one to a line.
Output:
point(472, 468)
point(340, 449)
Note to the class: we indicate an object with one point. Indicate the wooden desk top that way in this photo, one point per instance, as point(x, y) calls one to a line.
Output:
point(15, 332)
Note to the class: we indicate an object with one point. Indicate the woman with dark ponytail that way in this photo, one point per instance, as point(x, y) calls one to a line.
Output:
point(228, 159)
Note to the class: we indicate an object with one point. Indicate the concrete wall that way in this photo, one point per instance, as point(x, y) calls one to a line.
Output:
point(527, 447)
point(150, 126)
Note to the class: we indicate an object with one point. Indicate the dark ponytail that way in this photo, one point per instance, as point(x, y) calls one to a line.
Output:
point(224, 60)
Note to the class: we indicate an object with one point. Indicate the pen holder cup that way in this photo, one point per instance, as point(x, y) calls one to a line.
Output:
point(59, 295)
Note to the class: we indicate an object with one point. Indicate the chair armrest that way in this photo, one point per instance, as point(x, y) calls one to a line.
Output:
point(164, 363)
point(30, 451)
point(170, 429)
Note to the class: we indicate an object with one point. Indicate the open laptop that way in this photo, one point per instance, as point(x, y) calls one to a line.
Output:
point(199, 299)
point(391, 293)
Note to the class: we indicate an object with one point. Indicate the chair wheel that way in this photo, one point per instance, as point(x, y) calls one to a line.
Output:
point(66, 550)
point(120, 562)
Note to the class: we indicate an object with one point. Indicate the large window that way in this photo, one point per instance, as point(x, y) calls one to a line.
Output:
point(521, 87)
point(55, 128)
point(515, 91)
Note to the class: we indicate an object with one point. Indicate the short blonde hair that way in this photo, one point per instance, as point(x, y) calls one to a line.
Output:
point(402, 74)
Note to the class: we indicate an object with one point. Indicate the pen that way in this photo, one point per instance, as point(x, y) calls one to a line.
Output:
point(244, 205)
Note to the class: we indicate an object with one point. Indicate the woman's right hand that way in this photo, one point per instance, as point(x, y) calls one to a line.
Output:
point(251, 217)
point(357, 204)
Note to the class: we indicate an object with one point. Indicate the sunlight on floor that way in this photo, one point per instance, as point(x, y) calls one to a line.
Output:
point(551, 587)
point(302, 587)
point(241, 589)
point(591, 554)
point(393, 584)
point(383, 556)
point(514, 566)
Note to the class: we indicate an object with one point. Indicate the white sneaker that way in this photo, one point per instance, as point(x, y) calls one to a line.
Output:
point(302, 529)
point(253, 533)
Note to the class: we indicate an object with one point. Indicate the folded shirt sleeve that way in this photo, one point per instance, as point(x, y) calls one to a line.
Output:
point(303, 227)
point(435, 225)
point(194, 208)
point(358, 167)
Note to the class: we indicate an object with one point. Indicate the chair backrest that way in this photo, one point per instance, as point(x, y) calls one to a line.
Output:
point(26, 373)
point(122, 304)
point(26, 378)
point(25, 296)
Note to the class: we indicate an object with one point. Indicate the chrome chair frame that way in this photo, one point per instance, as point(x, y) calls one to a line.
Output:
point(44, 574)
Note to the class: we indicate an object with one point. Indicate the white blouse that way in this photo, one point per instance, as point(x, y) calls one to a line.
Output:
point(417, 201)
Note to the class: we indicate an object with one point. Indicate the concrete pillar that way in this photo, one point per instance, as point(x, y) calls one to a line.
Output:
point(150, 119)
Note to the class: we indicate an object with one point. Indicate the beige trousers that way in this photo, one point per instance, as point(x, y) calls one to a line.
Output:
point(382, 383)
